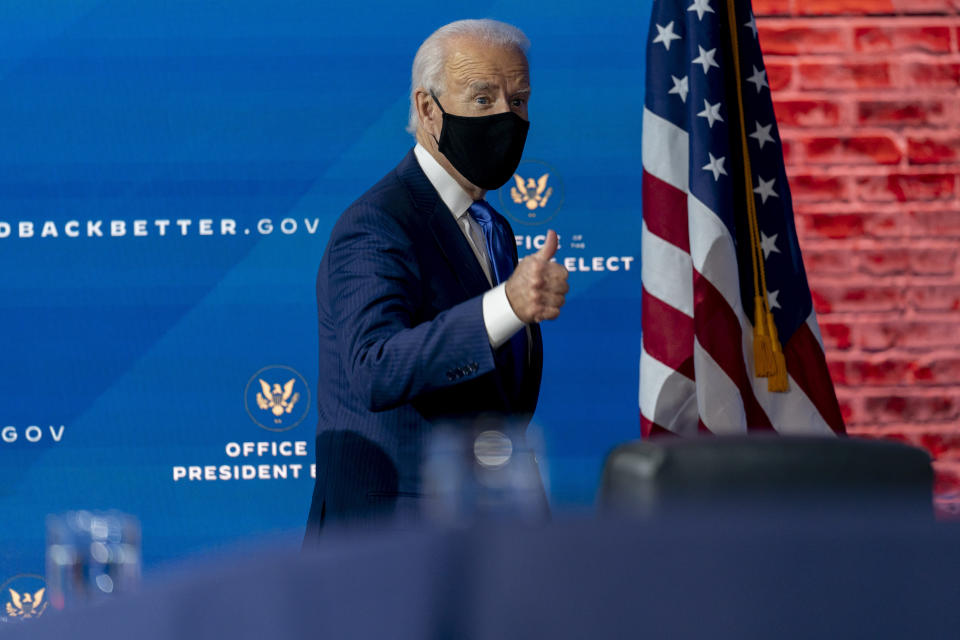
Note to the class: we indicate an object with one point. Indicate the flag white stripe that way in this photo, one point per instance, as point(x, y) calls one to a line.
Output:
point(660, 134)
point(667, 272)
point(667, 397)
point(721, 408)
point(712, 251)
point(792, 412)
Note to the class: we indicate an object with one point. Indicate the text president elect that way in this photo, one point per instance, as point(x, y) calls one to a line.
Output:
point(425, 317)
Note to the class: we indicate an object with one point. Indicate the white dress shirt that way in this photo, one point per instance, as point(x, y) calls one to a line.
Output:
point(498, 316)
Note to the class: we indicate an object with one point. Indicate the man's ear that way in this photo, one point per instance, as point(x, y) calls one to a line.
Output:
point(427, 111)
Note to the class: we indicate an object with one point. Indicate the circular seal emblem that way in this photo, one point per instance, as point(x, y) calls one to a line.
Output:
point(534, 194)
point(277, 398)
point(22, 597)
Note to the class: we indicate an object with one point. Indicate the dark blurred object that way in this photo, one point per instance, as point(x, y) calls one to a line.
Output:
point(776, 473)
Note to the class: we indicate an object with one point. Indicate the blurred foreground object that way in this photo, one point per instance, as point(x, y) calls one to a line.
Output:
point(90, 555)
point(487, 474)
point(700, 575)
point(779, 473)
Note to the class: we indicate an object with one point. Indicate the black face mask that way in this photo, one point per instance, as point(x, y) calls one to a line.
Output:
point(485, 150)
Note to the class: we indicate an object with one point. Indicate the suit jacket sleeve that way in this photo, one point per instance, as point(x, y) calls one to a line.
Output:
point(391, 351)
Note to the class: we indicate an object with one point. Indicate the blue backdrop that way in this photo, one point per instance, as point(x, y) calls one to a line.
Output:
point(169, 172)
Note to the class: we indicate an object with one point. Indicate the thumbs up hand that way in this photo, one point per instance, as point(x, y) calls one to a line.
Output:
point(538, 287)
point(549, 248)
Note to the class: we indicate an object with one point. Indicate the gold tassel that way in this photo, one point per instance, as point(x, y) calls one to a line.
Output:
point(766, 348)
point(763, 359)
point(778, 382)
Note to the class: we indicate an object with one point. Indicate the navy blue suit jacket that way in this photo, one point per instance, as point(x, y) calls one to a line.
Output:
point(403, 348)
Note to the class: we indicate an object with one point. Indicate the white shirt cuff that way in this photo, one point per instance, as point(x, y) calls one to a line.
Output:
point(498, 316)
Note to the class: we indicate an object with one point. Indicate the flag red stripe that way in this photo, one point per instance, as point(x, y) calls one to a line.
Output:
point(667, 334)
point(718, 332)
point(807, 366)
point(665, 211)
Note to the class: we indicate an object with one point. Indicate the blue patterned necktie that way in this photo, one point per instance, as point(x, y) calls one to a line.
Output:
point(500, 244)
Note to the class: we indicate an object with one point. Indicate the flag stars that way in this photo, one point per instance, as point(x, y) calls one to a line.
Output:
point(701, 7)
point(706, 58)
point(715, 166)
point(765, 189)
point(762, 134)
point(665, 35)
point(681, 87)
point(768, 244)
point(772, 299)
point(711, 112)
point(752, 25)
point(759, 79)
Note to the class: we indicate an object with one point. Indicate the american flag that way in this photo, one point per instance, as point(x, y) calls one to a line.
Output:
point(697, 367)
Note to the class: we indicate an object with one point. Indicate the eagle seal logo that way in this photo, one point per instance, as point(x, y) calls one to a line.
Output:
point(278, 401)
point(534, 195)
point(23, 598)
point(26, 605)
point(277, 398)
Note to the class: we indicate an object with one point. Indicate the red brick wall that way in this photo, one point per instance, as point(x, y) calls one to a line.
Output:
point(867, 96)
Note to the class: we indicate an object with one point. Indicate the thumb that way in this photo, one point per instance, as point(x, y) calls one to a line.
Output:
point(549, 247)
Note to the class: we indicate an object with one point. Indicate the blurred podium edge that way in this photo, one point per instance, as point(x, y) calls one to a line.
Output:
point(783, 474)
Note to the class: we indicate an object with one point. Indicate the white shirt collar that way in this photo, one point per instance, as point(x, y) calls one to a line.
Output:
point(452, 194)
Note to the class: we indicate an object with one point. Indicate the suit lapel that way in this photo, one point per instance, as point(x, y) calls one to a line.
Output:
point(457, 250)
point(448, 236)
point(451, 243)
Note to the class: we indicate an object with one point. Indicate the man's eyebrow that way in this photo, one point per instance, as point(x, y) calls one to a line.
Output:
point(482, 85)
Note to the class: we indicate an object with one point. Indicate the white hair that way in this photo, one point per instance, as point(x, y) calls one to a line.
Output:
point(431, 57)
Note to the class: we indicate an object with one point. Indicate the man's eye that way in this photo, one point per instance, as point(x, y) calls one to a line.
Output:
point(482, 100)
point(518, 102)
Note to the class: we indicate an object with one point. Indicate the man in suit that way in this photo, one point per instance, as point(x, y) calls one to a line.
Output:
point(426, 320)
